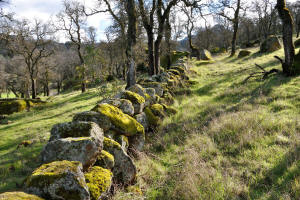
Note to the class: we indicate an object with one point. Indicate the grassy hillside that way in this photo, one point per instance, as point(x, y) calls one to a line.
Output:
point(230, 140)
point(17, 163)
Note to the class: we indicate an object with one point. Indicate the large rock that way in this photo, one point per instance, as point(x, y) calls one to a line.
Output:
point(205, 55)
point(105, 160)
point(244, 53)
point(77, 129)
point(91, 116)
point(142, 119)
point(271, 44)
point(61, 180)
point(137, 100)
point(155, 85)
point(83, 149)
point(124, 170)
point(122, 123)
point(121, 139)
point(123, 104)
point(9, 107)
point(18, 196)
point(99, 182)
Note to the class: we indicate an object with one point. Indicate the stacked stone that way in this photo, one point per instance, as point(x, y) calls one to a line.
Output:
point(84, 157)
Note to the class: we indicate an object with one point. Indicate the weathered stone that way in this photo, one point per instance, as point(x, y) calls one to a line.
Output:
point(105, 160)
point(271, 44)
point(137, 100)
point(142, 119)
point(137, 142)
point(9, 107)
point(122, 123)
point(169, 110)
point(244, 53)
point(121, 139)
point(153, 121)
point(61, 180)
point(205, 55)
point(123, 104)
point(155, 85)
point(18, 196)
point(99, 182)
point(137, 89)
point(90, 116)
point(83, 149)
point(124, 170)
point(77, 129)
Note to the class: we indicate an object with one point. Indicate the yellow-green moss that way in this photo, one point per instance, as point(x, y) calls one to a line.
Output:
point(126, 123)
point(133, 97)
point(8, 107)
point(174, 71)
point(18, 196)
point(134, 189)
point(169, 110)
point(157, 110)
point(178, 68)
point(105, 160)
point(153, 120)
point(109, 143)
point(98, 181)
point(48, 173)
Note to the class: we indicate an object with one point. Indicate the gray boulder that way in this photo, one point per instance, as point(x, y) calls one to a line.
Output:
point(271, 44)
point(83, 149)
point(92, 116)
point(61, 180)
point(123, 104)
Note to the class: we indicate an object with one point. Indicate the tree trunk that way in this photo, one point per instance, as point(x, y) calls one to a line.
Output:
point(33, 88)
point(131, 41)
point(152, 70)
point(58, 87)
point(287, 37)
point(235, 28)
point(157, 55)
point(168, 31)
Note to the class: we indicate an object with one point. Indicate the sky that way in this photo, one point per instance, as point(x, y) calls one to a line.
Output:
point(44, 9)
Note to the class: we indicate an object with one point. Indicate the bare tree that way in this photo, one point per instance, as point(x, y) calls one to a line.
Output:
point(72, 20)
point(235, 7)
point(31, 41)
point(148, 23)
point(131, 41)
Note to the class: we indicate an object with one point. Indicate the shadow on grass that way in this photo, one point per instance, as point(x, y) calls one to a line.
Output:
point(278, 180)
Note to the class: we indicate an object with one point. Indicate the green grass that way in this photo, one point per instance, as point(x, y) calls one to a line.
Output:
point(17, 163)
point(229, 140)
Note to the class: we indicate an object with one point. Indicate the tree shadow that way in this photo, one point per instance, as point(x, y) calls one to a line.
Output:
point(278, 180)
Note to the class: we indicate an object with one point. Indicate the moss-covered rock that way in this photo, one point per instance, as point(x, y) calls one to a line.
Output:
point(271, 44)
point(83, 149)
point(123, 123)
point(137, 89)
point(58, 180)
point(121, 139)
point(244, 53)
point(297, 43)
point(18, 196)
point(9, 107)
point(90, 116)
point(180, 69)
point(205, 55)
point(175, 56)
point(123, 104)
point(168, 98)
point(174, 71)
point(157, 110)
point(124, 170)
point(137, 100)
point(99, 182)
point(169, 110)
point(142, 119)
point(105, 160)
point(153, 121)
point(77, 129)
point(155, 85)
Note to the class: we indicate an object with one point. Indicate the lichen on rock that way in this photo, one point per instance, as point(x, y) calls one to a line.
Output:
point(58, 180)
point(18, 196)
point(90, 116)
point(123, 104)
point(105, 160)
point(99, 182)
point(124, 170)
point(123, 123)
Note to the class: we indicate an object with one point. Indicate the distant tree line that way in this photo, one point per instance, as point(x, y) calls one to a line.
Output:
point(32, 62)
